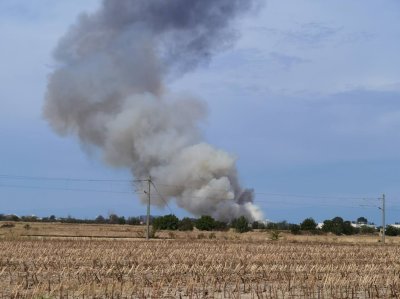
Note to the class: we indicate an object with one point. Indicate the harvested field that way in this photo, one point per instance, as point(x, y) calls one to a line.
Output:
point(196, 269)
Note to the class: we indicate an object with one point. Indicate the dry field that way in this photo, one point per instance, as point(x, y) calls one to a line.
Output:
point(127, 232)
point(230, 266)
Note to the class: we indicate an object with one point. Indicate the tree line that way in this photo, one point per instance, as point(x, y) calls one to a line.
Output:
point(336, 225)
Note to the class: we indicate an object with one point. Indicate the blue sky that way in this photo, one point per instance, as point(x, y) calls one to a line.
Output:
point(307, 100)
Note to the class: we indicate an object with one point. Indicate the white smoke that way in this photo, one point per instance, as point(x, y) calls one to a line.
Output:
point(109, 91)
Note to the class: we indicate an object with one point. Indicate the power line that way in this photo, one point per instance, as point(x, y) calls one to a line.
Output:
point(63, 189)
point(66, 179)
point(257, 201)
point(19, 177)
point(286, 194)
point(162, 197)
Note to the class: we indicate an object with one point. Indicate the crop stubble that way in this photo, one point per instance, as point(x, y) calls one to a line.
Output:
point(196, 269)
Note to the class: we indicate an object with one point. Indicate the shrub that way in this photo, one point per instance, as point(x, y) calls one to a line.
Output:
point(113, 219)
point(186, 224)
point(308, 224)
point(241, 225)
point(221, 226)
point(274, 235)
point(100, 220)
point(133, 221)
point(364, 229)
point(170, 222)
point(338, 226)
point(205, 223)
point(295, 229)
point(7, 225)
point(392, 231)
point(271, 225)
point(257, 225)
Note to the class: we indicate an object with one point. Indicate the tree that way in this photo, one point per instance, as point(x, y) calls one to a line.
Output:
point(271, 225)
point(121, 220)
point(338, 226)
point(308, 224)
point(221, 226)
point(205, 223)
point(241, 225)
point(283, 225)
point(392, 231)
point(362, 220)
point(100, 219)
point(133, 221)
point(347, 228)
point(365, 229)
point(294, 229)
point(170, 222)
point(113, 219)
point(334, 226)
point(257, 225)
point(186, 224)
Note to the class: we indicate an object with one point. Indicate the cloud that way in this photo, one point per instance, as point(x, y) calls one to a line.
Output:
point(286, 61)
point(313, 34)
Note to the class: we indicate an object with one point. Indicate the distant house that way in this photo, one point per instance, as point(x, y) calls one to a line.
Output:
point(396, 225)
point(361, 224)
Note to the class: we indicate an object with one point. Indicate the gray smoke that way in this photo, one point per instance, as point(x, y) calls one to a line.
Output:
point(109, 90)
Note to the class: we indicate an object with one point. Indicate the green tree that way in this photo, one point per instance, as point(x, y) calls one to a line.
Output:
point(294, 229)
point(338, 226)
point(347, 228)
point(283, 225)
point(271, 225)
point(205, 223)
point(392, 231)
point(121, 220)
point(170, 222)
point(365, 229)
point(113, 219)
point(221, 226)
point(186, 224)
point(257, 225)
point(334, 226)
point(100, 219)
point(308, 224)
point(241, 225)
point(133, 221)
point(362, 220)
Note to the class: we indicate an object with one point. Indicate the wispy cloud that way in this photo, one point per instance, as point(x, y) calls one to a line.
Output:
point(286, 61)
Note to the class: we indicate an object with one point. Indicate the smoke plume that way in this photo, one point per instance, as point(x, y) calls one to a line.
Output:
point(109, 89)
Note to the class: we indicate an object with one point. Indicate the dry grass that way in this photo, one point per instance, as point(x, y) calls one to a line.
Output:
point(95, 231)
point(229, 266)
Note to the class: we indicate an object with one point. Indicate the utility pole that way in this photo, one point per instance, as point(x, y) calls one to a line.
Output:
point(148, 210)
point(383, 218)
